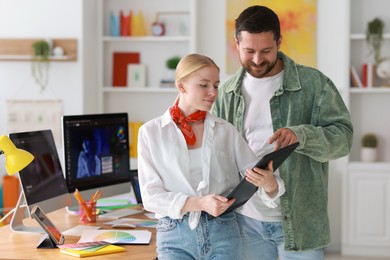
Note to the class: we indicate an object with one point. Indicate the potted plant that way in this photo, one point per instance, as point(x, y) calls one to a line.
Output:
point(369, 148)
point(172, 62)
point(40, 62)
point(374, 37)
point(171, 65)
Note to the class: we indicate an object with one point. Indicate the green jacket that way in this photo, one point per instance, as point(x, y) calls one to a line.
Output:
point(309, 104)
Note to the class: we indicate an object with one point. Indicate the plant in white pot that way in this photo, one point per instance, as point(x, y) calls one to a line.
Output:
point(369, 151)
point(171, 64)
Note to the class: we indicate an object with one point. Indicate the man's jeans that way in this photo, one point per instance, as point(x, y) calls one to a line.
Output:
point(265, 241)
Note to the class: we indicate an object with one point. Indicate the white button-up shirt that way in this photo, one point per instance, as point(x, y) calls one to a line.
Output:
point(164, 167)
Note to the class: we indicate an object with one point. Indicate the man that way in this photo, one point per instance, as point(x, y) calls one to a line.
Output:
point(274, 102)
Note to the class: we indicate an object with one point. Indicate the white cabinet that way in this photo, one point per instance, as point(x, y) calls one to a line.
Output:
point(366, 219)
point(366, 186)
point(143, 104)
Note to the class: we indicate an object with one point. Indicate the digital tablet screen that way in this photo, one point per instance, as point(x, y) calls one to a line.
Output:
point(47, 225)
point(245, 190)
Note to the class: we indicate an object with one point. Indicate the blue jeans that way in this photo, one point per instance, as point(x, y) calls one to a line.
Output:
point(213, 238)
point(265, 241)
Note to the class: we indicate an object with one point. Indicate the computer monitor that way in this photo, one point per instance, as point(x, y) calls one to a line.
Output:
point(96, 154)
point(42, 181)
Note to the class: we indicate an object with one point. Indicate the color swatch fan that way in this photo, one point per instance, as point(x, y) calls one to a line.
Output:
point(139, 237)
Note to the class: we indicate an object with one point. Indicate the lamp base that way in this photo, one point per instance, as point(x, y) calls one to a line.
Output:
point(16, 223)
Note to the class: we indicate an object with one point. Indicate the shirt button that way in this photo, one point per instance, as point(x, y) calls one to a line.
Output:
point(285, 218)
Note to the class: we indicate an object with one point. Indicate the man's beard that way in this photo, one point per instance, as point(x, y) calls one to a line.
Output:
point(252, 68)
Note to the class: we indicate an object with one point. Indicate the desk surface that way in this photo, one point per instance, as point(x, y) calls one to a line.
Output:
point(24, 245)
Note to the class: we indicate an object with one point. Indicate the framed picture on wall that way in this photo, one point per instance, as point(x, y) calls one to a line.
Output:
point(136, 75)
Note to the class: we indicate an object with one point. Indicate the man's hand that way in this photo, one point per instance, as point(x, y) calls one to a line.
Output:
point(283, 137)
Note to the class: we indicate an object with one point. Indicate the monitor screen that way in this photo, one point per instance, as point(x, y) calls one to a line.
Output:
point(96, 153)
point(42, 181)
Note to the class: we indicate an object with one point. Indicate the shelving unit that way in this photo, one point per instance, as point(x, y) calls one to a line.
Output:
point(142, 104)
point(366, 186)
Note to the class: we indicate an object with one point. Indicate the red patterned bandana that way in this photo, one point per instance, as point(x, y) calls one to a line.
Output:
point(182, 121)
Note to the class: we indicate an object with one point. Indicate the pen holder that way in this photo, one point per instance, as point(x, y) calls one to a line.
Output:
point(87, 212)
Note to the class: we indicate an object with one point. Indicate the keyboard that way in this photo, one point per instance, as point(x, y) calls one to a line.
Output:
point(120, 213)
point(78, 230)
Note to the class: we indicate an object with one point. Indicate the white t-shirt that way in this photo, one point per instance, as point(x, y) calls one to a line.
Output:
point(258, 129)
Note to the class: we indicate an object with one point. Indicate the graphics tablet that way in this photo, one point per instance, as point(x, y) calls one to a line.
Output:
point(245, 190)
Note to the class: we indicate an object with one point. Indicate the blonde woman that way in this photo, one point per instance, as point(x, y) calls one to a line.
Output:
point(187, 160)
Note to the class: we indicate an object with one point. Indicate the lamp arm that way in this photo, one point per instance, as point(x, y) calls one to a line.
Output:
point(6, 215)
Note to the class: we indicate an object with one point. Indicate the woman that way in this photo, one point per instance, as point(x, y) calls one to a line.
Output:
point(187, 160)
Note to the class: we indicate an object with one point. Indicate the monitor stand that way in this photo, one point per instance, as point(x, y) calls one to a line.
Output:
point(16, 224)
point(73, 209)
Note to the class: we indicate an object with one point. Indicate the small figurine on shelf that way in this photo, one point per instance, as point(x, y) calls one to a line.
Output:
point(40, 63)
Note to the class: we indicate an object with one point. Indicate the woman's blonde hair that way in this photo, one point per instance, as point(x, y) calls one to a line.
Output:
point(191, 63)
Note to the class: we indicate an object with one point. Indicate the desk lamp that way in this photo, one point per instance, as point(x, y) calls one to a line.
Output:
point(15, 159)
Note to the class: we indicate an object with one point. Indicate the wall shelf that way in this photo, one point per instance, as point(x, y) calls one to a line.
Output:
point(138, 90)
point(374, 90)
point(146, 39)
point(362, 36)
point(21, 49)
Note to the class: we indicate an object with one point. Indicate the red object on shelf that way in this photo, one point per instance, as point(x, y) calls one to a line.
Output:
point(120, 62)
point(124, 24)
point(364, 75)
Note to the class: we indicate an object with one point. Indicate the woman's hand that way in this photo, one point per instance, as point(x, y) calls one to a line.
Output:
point(213, 204)
point(263, 178)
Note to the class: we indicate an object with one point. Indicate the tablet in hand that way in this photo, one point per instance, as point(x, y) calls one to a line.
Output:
point(245, 190)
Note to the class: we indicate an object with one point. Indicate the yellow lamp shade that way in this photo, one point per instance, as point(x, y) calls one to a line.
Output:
point(15, 159)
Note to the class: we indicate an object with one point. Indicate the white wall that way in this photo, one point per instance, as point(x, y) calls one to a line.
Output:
point(73, 82)
point(46, 19)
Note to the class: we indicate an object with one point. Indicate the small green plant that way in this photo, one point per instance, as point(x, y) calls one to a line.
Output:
point(40, 63)
point(172, 62)
point(374, 36)
point(369, 140)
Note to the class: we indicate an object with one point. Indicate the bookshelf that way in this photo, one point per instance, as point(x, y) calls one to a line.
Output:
point(366, 197)
point(143, 103)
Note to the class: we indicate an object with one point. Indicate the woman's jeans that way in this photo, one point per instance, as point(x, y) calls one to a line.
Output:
point(265, 241)
point(213, 238)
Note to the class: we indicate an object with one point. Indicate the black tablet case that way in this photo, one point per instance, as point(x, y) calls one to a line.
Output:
point(245, 190)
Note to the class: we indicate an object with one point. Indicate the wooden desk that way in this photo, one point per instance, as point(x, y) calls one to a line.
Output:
point(24, 245)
